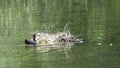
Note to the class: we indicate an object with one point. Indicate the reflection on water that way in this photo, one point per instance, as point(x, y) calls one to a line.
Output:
point(47, 48)
point(51, 56)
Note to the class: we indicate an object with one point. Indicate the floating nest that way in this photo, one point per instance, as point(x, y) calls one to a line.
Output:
point(56, 39)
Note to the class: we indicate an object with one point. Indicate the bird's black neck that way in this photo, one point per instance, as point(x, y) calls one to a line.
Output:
point(34, 36)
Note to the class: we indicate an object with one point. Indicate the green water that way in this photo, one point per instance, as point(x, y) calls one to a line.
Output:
point(96, 20)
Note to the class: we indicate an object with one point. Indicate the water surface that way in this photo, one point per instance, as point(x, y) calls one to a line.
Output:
point(96, 20)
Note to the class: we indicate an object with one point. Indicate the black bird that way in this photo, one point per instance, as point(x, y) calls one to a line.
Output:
point(33, 41)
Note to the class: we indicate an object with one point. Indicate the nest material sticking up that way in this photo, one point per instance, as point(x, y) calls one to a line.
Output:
point(56, 39)
point(42, 38)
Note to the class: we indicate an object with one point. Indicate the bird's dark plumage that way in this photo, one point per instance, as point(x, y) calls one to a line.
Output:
point(29, 42)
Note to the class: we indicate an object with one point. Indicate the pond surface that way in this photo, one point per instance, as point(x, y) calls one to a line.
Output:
point(96, 20)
